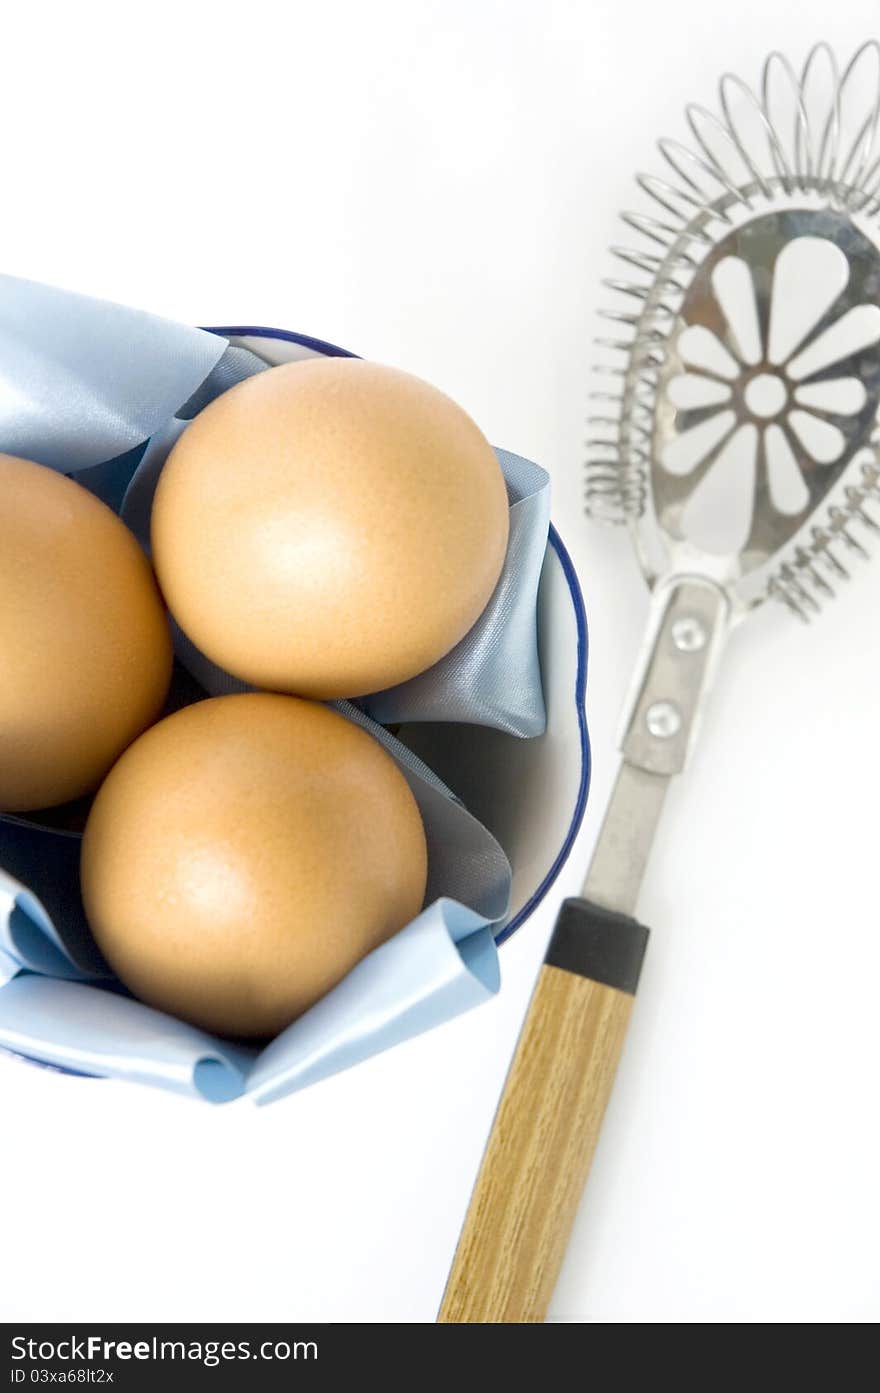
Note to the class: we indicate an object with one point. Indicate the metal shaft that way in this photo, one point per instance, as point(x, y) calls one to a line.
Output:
point(681, 651)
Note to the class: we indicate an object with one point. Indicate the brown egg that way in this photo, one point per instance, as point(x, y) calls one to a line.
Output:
point(329, 528)
point(83, 633)
point(244, 854)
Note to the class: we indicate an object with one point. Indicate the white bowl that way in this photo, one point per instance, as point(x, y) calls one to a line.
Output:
point(530, 793)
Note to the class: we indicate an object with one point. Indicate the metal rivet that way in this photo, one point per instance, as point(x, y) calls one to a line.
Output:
point(663, 719)
point(688, 634)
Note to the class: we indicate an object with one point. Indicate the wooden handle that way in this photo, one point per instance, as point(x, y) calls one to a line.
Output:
point(547, 1125)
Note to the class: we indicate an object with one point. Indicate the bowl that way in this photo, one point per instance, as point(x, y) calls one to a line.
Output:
point(530, 793)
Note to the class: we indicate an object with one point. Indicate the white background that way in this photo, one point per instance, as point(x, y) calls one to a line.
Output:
point(433, 185)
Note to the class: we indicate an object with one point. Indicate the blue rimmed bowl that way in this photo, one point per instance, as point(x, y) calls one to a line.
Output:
point(530, 793)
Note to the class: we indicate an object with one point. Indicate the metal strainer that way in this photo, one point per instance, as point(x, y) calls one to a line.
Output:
point(735, 433)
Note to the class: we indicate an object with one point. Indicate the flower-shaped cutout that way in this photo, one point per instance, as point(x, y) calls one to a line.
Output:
point(769, 394)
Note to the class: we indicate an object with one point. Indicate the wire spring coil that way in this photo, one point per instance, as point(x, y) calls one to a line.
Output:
point(801, 582)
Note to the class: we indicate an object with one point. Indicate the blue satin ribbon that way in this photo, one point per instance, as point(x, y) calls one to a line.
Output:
point(102, 392)
point(83, 380)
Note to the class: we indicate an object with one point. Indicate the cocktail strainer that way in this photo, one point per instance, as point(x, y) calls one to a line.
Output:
point(735, 433)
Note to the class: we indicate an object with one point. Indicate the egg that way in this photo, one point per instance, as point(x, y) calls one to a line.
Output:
point(329, 527)
point(83, 633)
point(244, 854)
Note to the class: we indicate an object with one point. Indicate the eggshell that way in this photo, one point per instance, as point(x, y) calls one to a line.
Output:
point(330, 527)
point(83, 633)
point(244, 854)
